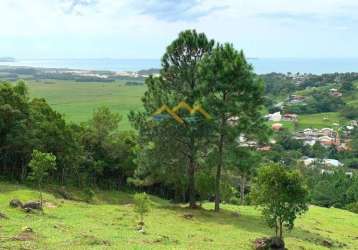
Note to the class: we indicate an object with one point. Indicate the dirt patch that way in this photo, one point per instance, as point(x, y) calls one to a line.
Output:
point(50, 205)
point(3, 216)
point(26, 235)
point(161, 239)
point(188, 216)
point(94, 241)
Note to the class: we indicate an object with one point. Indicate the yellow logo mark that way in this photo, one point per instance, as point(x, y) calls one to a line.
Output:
point(182, 105)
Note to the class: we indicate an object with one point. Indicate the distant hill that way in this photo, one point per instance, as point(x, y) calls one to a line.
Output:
point(7, 59)
point(148, 71)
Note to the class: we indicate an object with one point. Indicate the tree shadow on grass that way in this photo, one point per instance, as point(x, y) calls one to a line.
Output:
point(252, 223)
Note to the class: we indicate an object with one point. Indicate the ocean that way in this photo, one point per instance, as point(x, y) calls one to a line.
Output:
point(261, 65)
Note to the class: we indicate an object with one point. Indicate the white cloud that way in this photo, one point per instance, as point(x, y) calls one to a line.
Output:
point(127, 29)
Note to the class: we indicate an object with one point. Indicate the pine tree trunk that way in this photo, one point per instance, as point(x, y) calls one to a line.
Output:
point(218, 174)
point(281, 229)
point(242, 189)
point(40, 194)
point(191, 183)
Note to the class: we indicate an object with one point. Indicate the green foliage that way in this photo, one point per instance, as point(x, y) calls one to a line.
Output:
point(347, 86)
point(353, 207)
point(350, 112)
point(89, 194)
point(177, 146)
point(281, 195)
point(109, 152)
point(230, 90)
point(318, 102)
point(141, 205)
point(41, 164)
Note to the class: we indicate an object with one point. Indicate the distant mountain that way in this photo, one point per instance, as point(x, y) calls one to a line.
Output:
point(7, 59)
point(151, 71)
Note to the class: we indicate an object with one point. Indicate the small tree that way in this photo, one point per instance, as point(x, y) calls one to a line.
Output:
point(141, 205)
point(243, 162)
point(282, 196)
point(41, 164)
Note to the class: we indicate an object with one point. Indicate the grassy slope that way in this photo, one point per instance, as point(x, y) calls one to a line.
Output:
point(110, 224)
point(78, 100)
point(321, 120)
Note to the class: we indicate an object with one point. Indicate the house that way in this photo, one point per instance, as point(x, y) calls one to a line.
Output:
point(290, 117)
point(326, 140)
point(327, 132)
point(277, 126)
point(332, 163)
point(264, 148)
point(309, 142)
point(275, 117)
point(234, 120)
point(325, 171)
point(294, 99)
point(349, 174)
point(307, 161)
point(343, 147)
point(308, 131)
point(335, 93)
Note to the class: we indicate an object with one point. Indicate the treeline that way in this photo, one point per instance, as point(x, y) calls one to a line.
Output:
point(93, 153)
point(317, 102)
point(134, 83)
point(278, 84)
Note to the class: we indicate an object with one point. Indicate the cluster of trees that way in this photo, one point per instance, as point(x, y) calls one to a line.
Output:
point(93, 153)
point(277, 84)
point(333, 190)
point(189, 158)
point(350, 112)
point(317, 102)
point(134, 83)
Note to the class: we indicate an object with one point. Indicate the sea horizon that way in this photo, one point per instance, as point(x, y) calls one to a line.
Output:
point(261, 65)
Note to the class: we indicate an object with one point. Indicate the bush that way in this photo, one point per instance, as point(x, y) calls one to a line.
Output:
point(350, 112)
point(234, 200)
point(353, 207)
point(351, 163)
point(141, 205)
point(88, 194)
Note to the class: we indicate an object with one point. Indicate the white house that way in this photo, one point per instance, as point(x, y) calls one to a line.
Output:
point(275, 117)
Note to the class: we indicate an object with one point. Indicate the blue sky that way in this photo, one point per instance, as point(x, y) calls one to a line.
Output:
point(143, 28)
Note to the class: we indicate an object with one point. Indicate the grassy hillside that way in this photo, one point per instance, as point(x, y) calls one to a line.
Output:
point(78, 100)
point(110, 224)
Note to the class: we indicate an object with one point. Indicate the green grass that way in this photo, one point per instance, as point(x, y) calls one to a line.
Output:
point(77, 101)
point(321, 120)
point(111, 222)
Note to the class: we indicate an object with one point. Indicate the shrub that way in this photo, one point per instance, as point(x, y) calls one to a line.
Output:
point(353, 207)
point(88, 194)
point(141, 205)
